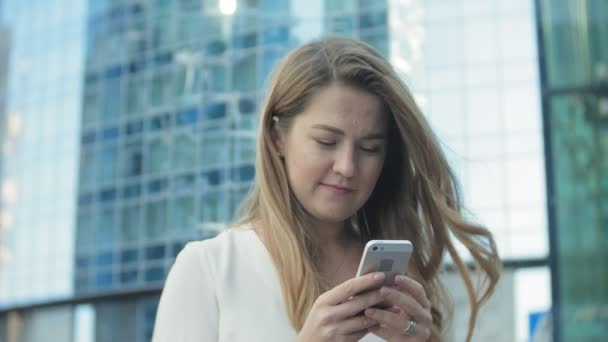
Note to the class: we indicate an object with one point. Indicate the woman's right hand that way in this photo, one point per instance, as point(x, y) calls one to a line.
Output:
point(337, 314)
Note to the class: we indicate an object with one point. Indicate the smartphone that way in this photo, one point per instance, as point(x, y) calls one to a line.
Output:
point(389, 256)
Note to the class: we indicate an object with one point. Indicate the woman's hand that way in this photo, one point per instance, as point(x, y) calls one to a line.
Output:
point(410, 304)
point(337, 314)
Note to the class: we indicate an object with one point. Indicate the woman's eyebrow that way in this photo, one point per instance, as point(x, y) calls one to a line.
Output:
point(335, 130)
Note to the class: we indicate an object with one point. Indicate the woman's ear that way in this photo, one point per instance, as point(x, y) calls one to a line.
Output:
point(277, 137)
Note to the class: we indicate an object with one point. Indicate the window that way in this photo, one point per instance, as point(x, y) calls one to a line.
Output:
point(157, 156)
point(182, 214)
point(108, 163)
point(244, 75)
point(213, 207)
point(160, 87)
point(105, 228)
point(156, 220)
point(130, 224)
point(214, 151)
point(184, 152)
point(215, 77)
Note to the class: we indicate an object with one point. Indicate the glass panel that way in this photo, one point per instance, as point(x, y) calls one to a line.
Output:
point(130, 223)
point(214, 151)
point(105, 228)
point(88, 167)
point(575, 41)
point(182, 214)
point(184, 152)
point(159, 91)
point(579, 139)
point(136, 87)
point(132, 159)
point(108, 163)
point(112, 96)
point(157, 155)
point(156, 220)
point(85, 232)
point(213, 207)
point(215, 77)
point(244, 74)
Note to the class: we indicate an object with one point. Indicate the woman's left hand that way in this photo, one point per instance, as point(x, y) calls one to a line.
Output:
point(409, 304)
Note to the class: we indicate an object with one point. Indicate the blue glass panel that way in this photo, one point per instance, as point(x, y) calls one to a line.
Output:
point(129, 255)
point(213, 177)
point(187, 116)
point(82, 263)
point(82, 282)
point(245, 41)
point(110, 133)
point(131, 191)
point(107, 195)
point(275, 35)
point(246, 105)
point(243, 173)
point(158, 185)
point(155, 252)
point(372, 20)
point(104, 259)
point(113, 72)
point(91, 79)
point(128, 277)
point(134, 127)
point(163, 59)
point(85, 198)
point(216, 47)
point(160, 122)
point(155, 274)
point(215, 110)
point(137, 9)
point(133, 160)
point(186, 182)
point(88, 138)
point(103, 280)
point(137, 66)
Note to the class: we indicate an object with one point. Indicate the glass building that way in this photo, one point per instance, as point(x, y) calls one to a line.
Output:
point(40, 148)
point(575, 101)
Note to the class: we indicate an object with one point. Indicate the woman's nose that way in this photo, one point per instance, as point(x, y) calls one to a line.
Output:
point(345, 162)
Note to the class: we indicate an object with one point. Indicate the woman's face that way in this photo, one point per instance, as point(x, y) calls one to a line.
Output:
point(334, 151)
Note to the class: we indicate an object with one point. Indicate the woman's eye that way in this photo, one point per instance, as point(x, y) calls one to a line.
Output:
point(374, 149)
point(325, 143)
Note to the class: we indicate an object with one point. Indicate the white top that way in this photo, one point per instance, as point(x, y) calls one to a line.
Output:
point(224, 289)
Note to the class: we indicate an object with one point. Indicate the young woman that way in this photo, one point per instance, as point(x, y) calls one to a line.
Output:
point(344, 156)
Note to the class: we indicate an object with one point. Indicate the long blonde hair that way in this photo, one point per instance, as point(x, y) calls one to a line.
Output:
point(415, 198)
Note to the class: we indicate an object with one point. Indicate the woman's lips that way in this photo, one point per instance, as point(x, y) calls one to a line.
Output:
point(337, 189)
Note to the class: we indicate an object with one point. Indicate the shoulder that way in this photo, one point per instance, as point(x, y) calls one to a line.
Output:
point(217, 251)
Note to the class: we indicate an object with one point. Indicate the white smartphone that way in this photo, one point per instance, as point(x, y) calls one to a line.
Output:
point(389, 256)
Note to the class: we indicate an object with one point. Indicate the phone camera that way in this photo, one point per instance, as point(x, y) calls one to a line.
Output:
point(375, 248)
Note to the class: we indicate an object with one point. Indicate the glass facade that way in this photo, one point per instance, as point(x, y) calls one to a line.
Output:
point(472, 65)
point(575, 65)
point(40, 148)
point(171, 94)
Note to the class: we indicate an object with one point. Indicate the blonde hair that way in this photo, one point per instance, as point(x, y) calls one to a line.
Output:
point(415, 198)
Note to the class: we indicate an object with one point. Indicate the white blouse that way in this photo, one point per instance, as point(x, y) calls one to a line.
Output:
point(224, 289)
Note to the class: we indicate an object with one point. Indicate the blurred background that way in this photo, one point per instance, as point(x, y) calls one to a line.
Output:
point(127, 128)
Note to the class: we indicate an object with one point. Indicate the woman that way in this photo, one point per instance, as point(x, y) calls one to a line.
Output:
point(343, 156)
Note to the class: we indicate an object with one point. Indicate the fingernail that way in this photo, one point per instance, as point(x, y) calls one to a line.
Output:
point(400, 279)
point(379, 276)
point(370, 312)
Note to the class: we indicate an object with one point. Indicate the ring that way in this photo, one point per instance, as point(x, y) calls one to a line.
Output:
point(411, 327)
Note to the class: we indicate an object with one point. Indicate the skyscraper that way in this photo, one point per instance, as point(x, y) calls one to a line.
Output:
point(575, 103)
